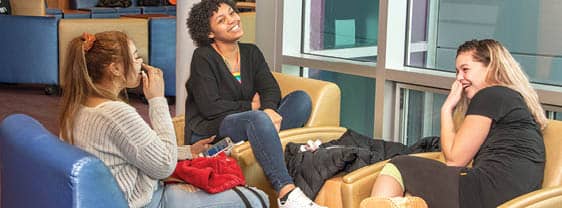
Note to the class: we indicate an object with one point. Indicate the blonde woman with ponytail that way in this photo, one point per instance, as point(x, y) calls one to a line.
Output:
point(491, 117)
point(95, 118)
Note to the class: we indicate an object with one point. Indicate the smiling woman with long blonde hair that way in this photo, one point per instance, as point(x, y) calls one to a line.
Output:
point(497, 127)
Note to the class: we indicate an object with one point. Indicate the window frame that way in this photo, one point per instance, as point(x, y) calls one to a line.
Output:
point(389, 71)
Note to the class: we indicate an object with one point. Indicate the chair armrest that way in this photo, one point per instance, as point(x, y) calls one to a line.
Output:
point(357, 185)
point(373, 169)
point(325, 98)
point(546, 197)
point(243, 152)
point(431, 155)
point(179, 125)
point(361, 173)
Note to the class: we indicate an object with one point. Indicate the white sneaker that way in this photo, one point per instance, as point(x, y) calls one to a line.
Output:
point(297, 199)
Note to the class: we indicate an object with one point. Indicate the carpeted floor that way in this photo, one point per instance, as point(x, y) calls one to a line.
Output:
point(31, 100)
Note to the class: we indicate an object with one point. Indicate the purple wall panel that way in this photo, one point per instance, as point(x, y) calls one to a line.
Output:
point(316, 24)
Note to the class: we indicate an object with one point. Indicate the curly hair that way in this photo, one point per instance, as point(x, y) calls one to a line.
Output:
point(198, 22)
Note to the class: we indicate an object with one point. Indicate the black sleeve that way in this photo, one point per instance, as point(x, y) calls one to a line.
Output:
point(205, 90)
point(493, 102)
point(264, 82)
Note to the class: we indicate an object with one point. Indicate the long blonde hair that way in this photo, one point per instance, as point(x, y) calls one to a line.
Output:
point(504, 71)
point(88, 59)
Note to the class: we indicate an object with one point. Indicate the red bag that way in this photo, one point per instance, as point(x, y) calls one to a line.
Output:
point(212, 174)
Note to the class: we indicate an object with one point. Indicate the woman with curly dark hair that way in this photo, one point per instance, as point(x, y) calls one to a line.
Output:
point(232, 93)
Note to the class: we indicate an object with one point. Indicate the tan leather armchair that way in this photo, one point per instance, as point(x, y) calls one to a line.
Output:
point(325, 113)
point(550, 196)
point(325, 98)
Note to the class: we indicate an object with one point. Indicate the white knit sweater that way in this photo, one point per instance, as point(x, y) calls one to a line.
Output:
point(136, 154)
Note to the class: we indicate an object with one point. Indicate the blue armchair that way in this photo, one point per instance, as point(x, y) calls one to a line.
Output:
point(37, 169)
point(162, 53)
point(29, 50)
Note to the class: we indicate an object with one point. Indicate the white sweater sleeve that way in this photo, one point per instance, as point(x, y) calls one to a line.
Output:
point(153, 151)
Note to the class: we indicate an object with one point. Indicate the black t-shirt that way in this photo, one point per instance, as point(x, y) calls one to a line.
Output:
point(510, 162)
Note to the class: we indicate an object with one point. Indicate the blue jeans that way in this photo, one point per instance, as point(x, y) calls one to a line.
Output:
point(258, 129)
point(295, 108)
point(175, 196)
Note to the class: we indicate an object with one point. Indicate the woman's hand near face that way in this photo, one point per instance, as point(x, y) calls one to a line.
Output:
point(275, 118)
point(153, 82)
point(454, 97)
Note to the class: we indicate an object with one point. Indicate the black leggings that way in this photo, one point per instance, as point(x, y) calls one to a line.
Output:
point(435, 182)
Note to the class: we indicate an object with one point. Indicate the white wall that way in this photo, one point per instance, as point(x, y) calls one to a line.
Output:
point(184, 51)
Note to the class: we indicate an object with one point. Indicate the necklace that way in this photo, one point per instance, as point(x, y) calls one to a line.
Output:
point(236, 67)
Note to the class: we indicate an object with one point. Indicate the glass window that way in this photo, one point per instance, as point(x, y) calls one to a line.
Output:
point(419, 114)
point(554, 115)
point(341, 29)
point(529, 29)
point(357, 99)
point(417, 34)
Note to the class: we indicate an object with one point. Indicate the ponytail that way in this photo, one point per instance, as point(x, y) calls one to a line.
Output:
point(88, 57)
point(77, 86)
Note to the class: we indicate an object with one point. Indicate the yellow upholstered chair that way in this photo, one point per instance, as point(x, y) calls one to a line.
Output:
point(325, 113)
point(550, 196)
point(551, 193)
point(135, 28)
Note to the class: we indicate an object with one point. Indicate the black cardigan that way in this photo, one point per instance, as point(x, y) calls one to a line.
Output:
point(214, 93)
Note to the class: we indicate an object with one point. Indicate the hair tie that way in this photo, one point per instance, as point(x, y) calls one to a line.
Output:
point(88, 41)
